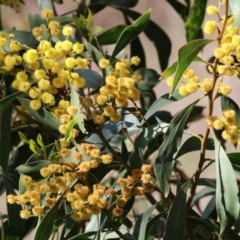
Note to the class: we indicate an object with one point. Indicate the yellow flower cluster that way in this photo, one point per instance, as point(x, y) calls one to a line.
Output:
point(192, 84)
point(227, 123)
point(57, 178)
point(137, 184)
point(119, 88)
point(229, 44)
point(51, 66)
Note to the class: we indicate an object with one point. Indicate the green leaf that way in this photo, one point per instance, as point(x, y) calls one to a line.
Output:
point(5, 138)
point(42, 4)
point(23, 137)
point(24, 37)
point(150, 78)
point(131, 32)
point(227, 102)
point(35, 20)
point(203, 231)
point(170, 70)
point(139, 231)
point(7, 100)
point(164, 162)
point(95, 30)
point(33, 169)
point(186, 55)
point(44, 230)
point(202, 193)
point(160, 103)
point(194, 144)
point(78, 116)
point(33, 146)
point(195, 19)
point(96, 55)
point(227, 203)
point(234, 158)
point(42, 116)
point(111, 35)
point(70, 128)
point(177, 215)
point(142, 140)
point(40, 142)
point(235, 8)
point(151, 223)
point(156, 35)
point(93, 79)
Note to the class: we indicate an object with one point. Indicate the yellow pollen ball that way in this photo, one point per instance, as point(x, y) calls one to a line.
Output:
point(78, 48)
point(67, 31)
point(210, 27)
point(103, 63)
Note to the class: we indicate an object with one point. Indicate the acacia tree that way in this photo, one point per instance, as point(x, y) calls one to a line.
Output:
point(81, 124)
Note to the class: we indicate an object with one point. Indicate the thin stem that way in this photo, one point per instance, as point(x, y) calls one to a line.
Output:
point(106, 144)
point(211, 100)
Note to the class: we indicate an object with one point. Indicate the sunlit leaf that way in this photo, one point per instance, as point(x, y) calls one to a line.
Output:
point(70, 128)
point(186, 55)
point(131, 32)
point(149, 133)
point(195, 19)
point(23, 137)
point(177, 215)
point(78, 116)
point(164, 162)
point(235, 7)
point(227, 203)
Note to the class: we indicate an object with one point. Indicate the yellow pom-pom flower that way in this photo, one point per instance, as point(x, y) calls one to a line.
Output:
point(206, 85)
point(210, 27)
point(135, 60)
point(47, 13)
point(67, 31)
point(183, 91)
point(191, 87)
point(218, 124)
point(24, 86)
point(35, 104)
point(103, 63)
point(211, 10)
point(44, 84)
point(78, 47)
